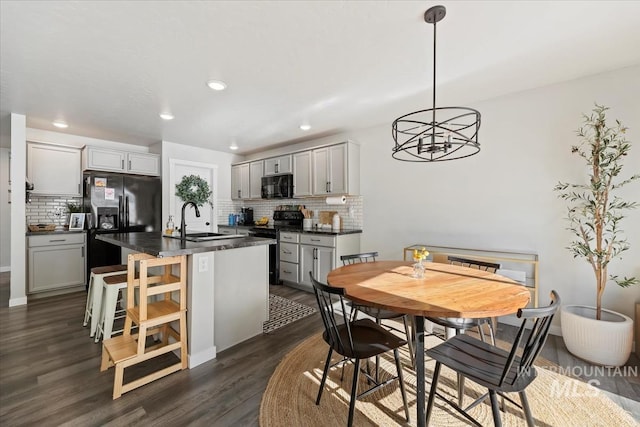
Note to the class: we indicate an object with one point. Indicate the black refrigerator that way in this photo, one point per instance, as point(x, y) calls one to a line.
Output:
point(118, 203)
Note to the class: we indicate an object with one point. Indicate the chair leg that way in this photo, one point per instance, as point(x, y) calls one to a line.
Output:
point(432, 393)
point(379, 322)
point(492, 331)
point(324, 375)
point(460, 389)
point(89, 304)
point(354, 392)
point(495, 408)
point(401, 379)
point(409, 340)
point(526, 408)
point(481, 331)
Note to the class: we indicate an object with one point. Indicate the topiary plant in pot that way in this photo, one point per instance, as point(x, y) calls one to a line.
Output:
point(594, 214)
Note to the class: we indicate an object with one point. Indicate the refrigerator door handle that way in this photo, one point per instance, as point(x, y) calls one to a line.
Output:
point(120, 213)
point(126, 211)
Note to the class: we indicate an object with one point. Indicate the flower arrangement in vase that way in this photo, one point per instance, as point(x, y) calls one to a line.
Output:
point(419, 255)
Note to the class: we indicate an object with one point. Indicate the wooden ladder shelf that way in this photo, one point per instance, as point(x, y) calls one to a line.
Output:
point(150, 317)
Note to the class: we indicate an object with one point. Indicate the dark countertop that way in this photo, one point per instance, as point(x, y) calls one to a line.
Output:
point(303, 231)
point(153, 243)
point(44, 233)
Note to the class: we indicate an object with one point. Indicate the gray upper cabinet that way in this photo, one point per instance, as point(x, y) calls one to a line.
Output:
point(240, 181)
point(104, 159)
point(302, 174)
point(336, 170)
point(54, 170)
point(278, 165)
point(256, 171)
point(322, 171)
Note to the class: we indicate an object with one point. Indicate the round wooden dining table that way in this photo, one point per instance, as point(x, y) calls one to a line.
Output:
point(444, 291)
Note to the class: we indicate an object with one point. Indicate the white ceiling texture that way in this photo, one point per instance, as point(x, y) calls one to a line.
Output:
point(109, 68)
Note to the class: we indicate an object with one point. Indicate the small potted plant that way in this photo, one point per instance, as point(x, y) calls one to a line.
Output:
point(594, 214)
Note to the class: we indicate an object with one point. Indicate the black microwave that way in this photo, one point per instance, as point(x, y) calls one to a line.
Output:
point(277, 186)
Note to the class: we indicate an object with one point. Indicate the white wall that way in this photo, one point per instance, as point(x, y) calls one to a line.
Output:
point(172, 150)
point(502, 198)
point(18, 223)
point(5, 212)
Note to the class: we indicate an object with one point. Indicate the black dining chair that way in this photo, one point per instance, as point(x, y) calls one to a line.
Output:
point(500, 371)
point(378, 313)
point(460, 324)
point(354, 340)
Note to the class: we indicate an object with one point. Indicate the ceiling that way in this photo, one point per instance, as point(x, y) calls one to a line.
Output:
point(109, 68)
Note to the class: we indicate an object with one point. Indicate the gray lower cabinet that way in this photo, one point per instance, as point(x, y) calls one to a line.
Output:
point(56, 261)
point(301, 253)
point(318, 256)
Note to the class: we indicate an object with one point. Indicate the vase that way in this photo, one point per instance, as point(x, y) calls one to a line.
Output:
point(418, 270)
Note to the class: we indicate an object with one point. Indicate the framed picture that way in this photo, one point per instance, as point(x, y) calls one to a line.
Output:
point(76, 221)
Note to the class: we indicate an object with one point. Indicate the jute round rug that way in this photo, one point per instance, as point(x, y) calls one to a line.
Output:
point(289, 399)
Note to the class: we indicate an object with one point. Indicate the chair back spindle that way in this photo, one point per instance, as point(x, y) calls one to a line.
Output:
point(356, 258)
point(473, 263)
point(537, 336)
point(331, 317)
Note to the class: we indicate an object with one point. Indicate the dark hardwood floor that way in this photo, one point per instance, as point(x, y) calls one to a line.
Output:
point(49, 372)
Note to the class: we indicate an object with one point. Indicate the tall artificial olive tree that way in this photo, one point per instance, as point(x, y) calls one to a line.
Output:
point(594, 211)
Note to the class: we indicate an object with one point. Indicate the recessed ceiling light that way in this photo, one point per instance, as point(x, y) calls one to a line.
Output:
point(305, 127)
point(233, 146)
point(217, 85)
point(166, 116)
point(60, 124)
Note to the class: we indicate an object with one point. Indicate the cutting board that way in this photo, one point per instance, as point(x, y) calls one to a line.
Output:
point(326, 217)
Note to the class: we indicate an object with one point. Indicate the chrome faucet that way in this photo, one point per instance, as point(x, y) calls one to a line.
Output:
point(183, 226)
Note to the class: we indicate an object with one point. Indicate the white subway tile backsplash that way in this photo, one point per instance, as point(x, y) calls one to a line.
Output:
point(42, 209)
point(266, 207)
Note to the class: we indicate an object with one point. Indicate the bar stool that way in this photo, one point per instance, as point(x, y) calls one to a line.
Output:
point(94, 293)
point(109, 311)
point(151, 316)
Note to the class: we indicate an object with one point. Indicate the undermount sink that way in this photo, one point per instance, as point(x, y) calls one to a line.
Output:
point(203, 236)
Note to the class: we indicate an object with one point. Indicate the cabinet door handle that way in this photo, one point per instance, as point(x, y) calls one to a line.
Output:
point(122, 163)
point(315, 240)
point(78, 188)
point(329, 184)
point(286, 271)
point(129, 164)
point(276, 167)
point(82, 252)
point(58, 240)
point(239, 193)
point(286, 252)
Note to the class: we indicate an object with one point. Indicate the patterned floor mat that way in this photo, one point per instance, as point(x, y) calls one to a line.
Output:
point(283, 311)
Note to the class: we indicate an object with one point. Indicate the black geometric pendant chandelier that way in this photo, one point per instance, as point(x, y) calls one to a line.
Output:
point(436, 134)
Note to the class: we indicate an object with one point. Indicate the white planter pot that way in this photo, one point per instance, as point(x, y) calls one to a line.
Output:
point(604, 342)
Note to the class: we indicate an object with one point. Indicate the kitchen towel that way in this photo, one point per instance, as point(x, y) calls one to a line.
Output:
point(339, 200)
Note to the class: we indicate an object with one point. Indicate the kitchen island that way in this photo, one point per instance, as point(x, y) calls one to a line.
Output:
point(227, 286)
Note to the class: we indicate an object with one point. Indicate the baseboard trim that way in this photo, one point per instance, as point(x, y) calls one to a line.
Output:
point(202, 357)
point(14, 302)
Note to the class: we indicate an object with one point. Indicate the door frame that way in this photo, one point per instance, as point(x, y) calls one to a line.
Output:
point(214, 187)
